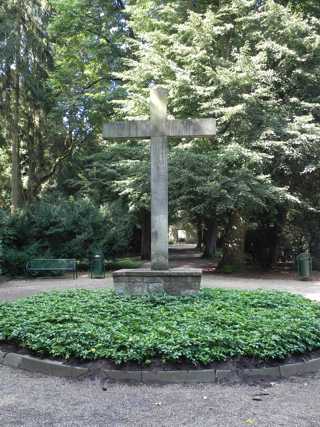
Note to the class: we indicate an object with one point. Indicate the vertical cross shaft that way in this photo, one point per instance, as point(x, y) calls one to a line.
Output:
point(159, 182)
point(159, 129)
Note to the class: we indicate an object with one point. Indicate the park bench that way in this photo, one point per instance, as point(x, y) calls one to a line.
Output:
point(59, 265)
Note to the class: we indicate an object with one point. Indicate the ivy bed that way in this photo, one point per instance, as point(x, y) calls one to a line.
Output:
point(216, 326)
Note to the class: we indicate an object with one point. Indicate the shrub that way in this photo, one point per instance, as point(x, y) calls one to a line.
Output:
point(60, 229)
point(214, 325)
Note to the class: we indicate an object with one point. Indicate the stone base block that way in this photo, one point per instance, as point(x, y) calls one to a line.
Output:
point(143, 282)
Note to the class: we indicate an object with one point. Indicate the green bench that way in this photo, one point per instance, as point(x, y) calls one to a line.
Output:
point(63, 265)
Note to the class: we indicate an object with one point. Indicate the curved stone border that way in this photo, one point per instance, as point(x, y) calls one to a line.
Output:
point(43, 366)
point(59, 369)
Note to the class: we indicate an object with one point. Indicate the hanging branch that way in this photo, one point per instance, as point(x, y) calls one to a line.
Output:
point(68, 152)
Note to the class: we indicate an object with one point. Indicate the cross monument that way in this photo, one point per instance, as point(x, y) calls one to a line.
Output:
point(159, 128)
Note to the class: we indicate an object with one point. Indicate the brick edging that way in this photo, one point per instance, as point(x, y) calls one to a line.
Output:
point(59, 369)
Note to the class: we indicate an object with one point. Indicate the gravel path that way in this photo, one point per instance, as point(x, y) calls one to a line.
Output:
point(181, 255)
point(308, 289)
point(14, 289)
point(36, 400)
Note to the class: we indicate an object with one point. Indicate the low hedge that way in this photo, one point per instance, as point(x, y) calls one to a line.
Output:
point(215, 325)
point(59, 228)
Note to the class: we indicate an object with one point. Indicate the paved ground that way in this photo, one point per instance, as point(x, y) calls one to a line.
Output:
point(182, 255)
point(14, 289)
point(308, 289)
point(36, 400)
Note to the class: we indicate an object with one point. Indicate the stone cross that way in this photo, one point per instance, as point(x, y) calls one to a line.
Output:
point(159, 128)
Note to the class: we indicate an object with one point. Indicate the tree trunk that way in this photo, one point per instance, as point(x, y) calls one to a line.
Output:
point(233, 244)
point(315, 254)
point(35, 152)
point(135, 241)
point(16, 193)
point(210, 238)
point(199, 236)
point(146, 235)
point(16, 184)
point(263, 242)
point(174, 232)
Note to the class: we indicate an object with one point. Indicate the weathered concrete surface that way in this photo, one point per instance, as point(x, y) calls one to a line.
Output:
point(271, 373)
point(35, 400)
point(159, 128)
point(158, 376)
point(122, 376)
point(189, 128)
point(44, 366)
point(179, 377)
point(159, 182)
point(159, 204)
point(300, 368)
point(144, 281)
point(12, 359)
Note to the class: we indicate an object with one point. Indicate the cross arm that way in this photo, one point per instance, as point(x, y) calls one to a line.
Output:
point(129, 129)
point(191, 128)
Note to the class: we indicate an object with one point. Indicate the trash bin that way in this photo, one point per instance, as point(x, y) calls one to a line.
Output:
point(304, 264)
point(97, 268)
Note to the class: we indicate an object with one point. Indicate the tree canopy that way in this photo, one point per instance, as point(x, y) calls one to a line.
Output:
point(68, 65)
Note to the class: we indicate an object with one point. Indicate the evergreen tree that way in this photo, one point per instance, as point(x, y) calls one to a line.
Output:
point(25, 58)
point(256, 70)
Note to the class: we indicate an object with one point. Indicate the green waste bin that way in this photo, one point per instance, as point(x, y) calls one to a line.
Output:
point(97, 268)
point(304, 264)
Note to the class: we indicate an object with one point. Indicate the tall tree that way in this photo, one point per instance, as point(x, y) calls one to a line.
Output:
point(24, 62)
point(256, 70)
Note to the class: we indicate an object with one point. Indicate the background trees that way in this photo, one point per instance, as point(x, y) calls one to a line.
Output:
point(256, 70)
point(25, 60)
point(254, 65)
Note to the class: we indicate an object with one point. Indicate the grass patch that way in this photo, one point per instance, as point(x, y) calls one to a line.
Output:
point(123, 263)
point(111, 265)
point(213, 326)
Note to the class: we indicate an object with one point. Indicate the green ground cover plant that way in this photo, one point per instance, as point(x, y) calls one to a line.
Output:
point(123, 263)
point(215, 325)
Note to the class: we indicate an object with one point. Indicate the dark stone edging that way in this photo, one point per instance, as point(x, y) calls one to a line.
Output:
point(59, 369)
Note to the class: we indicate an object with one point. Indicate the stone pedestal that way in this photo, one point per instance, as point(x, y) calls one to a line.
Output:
point(143, 282)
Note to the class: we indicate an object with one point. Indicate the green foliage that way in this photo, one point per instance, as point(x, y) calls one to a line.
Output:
point(228, 269)
point(254, 65)
point(257, 72)
point(62, 229)
point(68, 65)
point(213, 326)
point(25, 61)
point(86, 36)
point(124, 263)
